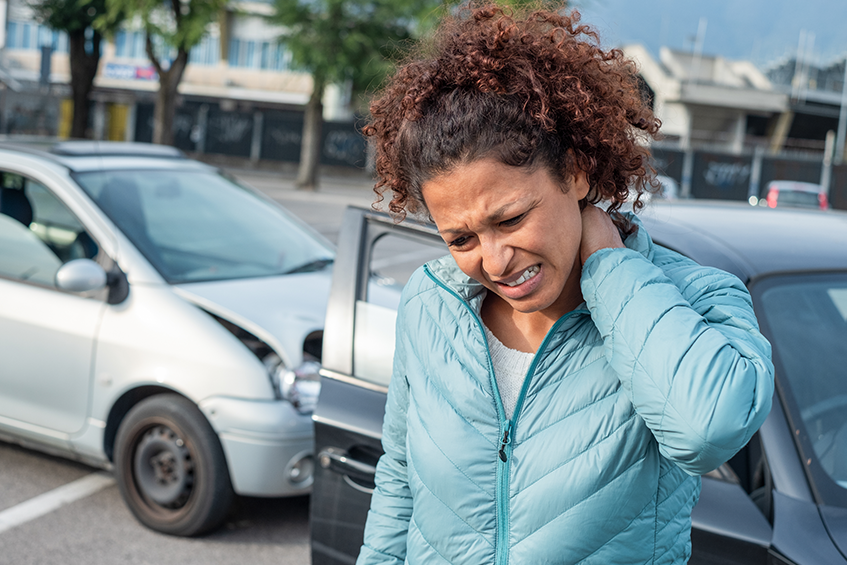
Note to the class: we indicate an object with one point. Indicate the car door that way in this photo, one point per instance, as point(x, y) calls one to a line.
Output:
point(46, 334)
point(374, 260)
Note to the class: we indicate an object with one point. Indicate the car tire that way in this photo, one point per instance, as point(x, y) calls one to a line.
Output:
point(170, 467)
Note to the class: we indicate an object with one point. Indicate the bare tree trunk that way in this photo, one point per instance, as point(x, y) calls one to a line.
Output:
point(165, 109)
point(83, 68)
point(310, 147)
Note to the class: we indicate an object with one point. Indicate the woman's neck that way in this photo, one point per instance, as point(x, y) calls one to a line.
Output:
point(516, 330)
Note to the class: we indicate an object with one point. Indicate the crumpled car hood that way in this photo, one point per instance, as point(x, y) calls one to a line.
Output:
point(280, 310)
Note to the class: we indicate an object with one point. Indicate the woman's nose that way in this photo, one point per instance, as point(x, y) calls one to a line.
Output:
point(496, 256)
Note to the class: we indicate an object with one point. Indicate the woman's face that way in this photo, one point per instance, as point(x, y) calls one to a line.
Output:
point(513, 229)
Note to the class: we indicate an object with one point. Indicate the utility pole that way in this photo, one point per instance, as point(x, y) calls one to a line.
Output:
point(826, 166)
point(842, 120)
point(698, 50)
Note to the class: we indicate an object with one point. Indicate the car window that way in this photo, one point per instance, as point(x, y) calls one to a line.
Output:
point(38, 233)
point(196, 225)
point(807, 321)
point(797, 198)
point(393, 259)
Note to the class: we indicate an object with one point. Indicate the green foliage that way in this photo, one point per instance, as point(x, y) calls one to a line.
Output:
point(70, 15)
point(350, 40)
point(358, 40)
point(181, 24)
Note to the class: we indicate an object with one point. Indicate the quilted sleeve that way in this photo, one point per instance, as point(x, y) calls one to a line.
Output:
point(391, 504)
point(686, 345)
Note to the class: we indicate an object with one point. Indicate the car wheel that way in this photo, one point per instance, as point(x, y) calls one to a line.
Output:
point(170, 467)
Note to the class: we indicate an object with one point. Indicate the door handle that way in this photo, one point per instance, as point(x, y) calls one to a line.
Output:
point(338, 460)
point(356, 473)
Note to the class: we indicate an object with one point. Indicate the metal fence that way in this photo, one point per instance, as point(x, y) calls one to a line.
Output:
point(728, 176)
point(272, 135)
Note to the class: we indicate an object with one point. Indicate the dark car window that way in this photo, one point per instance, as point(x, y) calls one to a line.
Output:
point(806, 318)
point(797, 198)
point(38, 234)
point(197, 225)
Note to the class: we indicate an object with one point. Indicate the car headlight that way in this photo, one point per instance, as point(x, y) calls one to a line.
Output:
point(300, 386)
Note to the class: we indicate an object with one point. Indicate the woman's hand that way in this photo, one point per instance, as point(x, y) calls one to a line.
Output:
point(598, 232)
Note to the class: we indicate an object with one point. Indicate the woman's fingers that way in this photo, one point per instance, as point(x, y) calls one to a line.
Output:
point(598, 232)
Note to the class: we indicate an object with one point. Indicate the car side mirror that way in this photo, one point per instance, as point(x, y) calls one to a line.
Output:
point(81, 275)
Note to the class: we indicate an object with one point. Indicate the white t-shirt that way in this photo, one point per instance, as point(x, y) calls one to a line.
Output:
point(510, 368)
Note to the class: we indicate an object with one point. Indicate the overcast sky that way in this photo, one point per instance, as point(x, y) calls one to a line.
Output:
point(763, 31)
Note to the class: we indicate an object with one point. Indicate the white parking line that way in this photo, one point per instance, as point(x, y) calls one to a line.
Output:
point(53, 500)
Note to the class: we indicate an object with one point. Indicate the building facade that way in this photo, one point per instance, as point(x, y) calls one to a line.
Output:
point(239, 95)
point(730, 128)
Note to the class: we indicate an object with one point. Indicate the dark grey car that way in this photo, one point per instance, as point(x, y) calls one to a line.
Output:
point(782, 499)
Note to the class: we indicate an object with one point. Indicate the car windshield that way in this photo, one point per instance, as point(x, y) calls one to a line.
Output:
point(807, 318)
point(197, 225)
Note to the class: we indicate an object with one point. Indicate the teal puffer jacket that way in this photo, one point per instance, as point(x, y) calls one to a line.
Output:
point(660, 376)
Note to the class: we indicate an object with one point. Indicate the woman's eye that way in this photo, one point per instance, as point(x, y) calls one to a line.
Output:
point(458, 242)
point(512, 221)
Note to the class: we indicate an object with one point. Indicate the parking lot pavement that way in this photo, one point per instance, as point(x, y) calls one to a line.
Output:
point(356, 187)
point(58, 511)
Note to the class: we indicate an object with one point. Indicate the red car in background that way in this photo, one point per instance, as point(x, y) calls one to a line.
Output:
point(794, 193)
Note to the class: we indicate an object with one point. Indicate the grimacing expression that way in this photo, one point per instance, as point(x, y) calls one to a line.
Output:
point(516, 230)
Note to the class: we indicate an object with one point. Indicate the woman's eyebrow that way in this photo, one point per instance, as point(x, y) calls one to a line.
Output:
point(498, 214)
point(495, 216)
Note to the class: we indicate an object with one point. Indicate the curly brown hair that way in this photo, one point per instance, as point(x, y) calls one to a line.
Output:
point(524, 88)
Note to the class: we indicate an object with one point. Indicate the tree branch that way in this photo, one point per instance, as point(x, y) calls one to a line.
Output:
point(176, 6)
point(148, 47)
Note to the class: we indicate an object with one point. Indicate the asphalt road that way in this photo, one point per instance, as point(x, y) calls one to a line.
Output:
point(57, 511)
point(322, 209)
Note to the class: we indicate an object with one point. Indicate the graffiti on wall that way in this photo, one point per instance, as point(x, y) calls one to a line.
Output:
point(230, 128)
point(345, 146)
point(725, 175)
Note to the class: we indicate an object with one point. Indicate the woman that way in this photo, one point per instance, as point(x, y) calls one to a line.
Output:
point(559, 381)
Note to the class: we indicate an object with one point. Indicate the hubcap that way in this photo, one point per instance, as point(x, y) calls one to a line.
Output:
point(164, 469)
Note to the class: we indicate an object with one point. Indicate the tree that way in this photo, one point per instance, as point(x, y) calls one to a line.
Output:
point(172, 28)
point(76, 18)
point(343, 42)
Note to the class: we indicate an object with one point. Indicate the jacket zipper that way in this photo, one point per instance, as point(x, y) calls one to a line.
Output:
point(507, 427)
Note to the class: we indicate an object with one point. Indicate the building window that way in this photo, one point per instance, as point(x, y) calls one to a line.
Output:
point(62, 42)
point(29, 36)
point(139, 46)
point(265, 55)
point(130, 45)
point(251, 55)
point(207, 52)
point(264, 63)
point(12, 34)
point(120, 44)
point(232, 55)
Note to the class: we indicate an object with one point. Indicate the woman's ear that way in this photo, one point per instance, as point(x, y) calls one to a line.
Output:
point(579, 183)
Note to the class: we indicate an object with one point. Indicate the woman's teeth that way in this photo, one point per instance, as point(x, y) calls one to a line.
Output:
point(528, 274)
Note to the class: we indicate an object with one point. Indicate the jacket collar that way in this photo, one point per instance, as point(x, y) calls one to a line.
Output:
point(447, 272)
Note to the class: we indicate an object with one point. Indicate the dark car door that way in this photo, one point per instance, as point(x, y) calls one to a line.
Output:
point(761, 507)
point(375, 258)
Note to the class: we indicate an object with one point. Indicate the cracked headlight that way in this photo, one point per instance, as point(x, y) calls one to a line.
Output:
point(299, 386)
